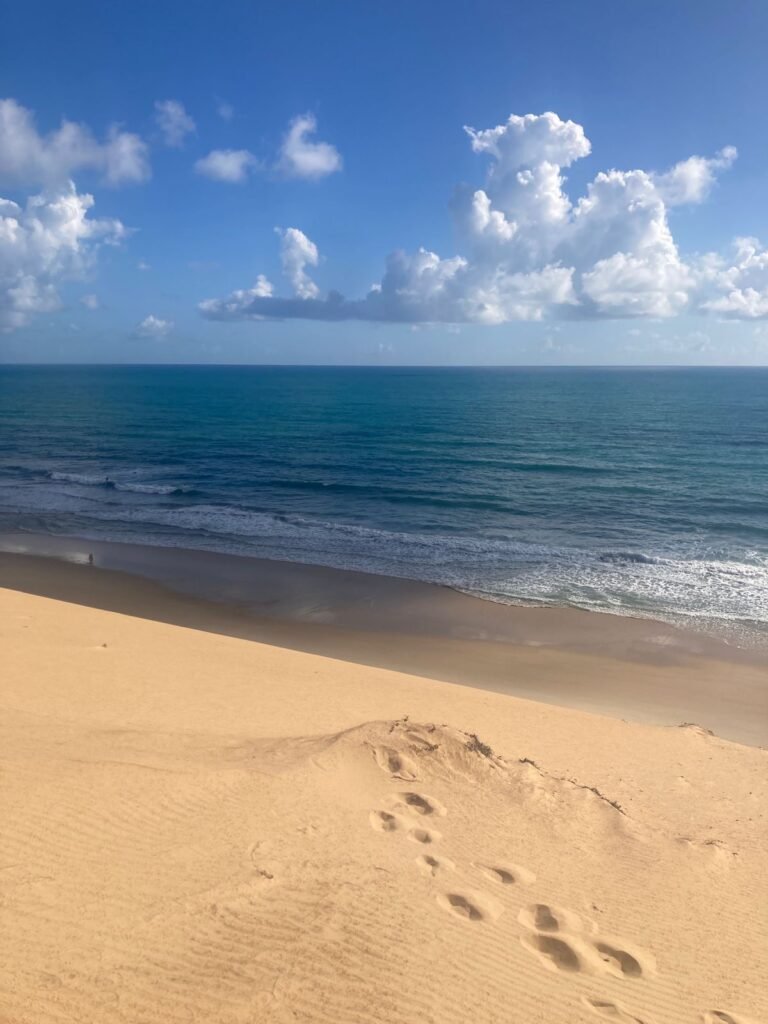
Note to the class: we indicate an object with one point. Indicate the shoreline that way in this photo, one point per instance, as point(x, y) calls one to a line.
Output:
point(284, 591)
point(637, 669)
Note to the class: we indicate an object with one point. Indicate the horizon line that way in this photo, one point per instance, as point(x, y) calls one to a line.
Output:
point(401, 366)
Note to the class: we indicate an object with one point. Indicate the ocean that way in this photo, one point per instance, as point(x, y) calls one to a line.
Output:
point(634, 491)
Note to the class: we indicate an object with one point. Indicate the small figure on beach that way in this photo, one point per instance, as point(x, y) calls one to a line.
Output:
point(90, 558)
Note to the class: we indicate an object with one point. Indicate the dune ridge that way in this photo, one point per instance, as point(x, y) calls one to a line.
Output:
point(198, 828)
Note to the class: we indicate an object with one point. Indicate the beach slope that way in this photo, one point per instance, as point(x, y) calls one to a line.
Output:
point(201, 828)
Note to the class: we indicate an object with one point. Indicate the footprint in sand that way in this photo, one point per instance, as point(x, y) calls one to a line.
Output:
point(431, 866)
point(383, 821)
point(470, 906)
point(573, 951)
point(618, 961)
point(507, 874)
point(417, 803)
point(424, 835)
point(541, 917)
point(555, 953)
point(398, 765)
point(612, 1011)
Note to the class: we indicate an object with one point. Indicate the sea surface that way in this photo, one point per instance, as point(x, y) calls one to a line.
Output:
point(634, 491)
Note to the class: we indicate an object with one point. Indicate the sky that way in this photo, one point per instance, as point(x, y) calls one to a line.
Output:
point(403, 183)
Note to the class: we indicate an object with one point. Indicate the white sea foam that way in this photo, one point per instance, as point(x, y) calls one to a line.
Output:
point(159, 489)
point(136, 481)
point(87, 479)
point(680, 579)
point(503, 570)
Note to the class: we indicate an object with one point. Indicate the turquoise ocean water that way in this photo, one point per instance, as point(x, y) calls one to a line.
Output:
point(642, 492)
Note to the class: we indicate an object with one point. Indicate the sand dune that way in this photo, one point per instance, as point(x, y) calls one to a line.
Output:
point(201, 829)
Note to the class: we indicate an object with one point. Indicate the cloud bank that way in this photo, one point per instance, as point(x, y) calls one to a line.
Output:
point(534, 253)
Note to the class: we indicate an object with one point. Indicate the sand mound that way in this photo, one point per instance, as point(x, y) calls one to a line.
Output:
point(390, 871)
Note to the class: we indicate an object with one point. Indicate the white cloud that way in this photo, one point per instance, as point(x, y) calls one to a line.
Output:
point(529, 141)
point(637, 285)
point(483, 221)
point(174, 122)
point(153, 327)
point(143, 266)
point(225, 111)
point(743, 284)
point(531, 252)
point(296, 253)
point(741, 303)
point(302, 158)
point(232, 307)
point(691, 180)
point(125, 158)
point(299, 156)
point(48, 240)
point(30, 159)
point(90, 301)
point(231, 165)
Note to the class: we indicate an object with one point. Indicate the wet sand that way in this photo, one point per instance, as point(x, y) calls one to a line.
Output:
point(637, 669)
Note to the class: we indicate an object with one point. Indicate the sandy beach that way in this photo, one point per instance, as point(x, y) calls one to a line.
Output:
point(203, 827)
point(384, 513)
point(640, 669)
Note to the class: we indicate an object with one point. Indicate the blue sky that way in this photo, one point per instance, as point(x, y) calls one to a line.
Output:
point(307, 142)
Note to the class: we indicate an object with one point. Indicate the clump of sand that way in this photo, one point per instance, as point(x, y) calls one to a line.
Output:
point(202, 829)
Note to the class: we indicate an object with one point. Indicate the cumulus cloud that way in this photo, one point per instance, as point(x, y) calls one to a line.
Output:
point(531, 251)
point(48, 240)
point(528, 141)
point(691, 180)
point(742, 283)
point(30, 159)
point(174, 122)
point(153, 327)
point(300, 157)
point(230, 165)
point(296, 253)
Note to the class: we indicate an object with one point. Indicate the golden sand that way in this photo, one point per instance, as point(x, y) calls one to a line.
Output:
point(201, 828)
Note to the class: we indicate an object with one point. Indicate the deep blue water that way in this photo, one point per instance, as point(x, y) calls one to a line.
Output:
point(638, 491)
